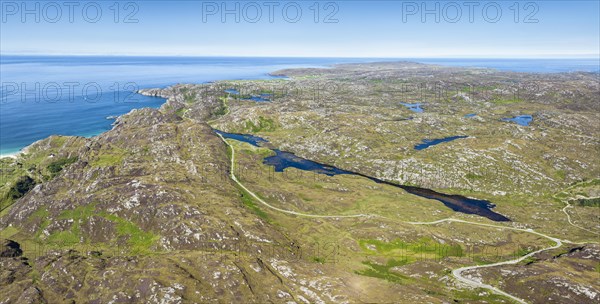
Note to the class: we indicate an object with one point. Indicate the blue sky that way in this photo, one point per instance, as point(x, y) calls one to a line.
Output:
point(363, 29)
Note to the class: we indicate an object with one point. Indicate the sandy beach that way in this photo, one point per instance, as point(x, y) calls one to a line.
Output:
point(10, 155)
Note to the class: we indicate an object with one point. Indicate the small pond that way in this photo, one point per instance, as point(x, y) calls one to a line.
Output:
point(415, 107)
point(522, 120)
point(426, 143)
point(282, 160)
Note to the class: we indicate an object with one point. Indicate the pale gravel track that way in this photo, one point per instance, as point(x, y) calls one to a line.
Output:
point(573, 224)
point(568, 205)
point(457, 273)
point(234, 178)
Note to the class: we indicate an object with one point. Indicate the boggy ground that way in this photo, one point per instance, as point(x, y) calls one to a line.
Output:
point(147, 212)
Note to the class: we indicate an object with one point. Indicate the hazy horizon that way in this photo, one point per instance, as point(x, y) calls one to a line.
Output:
point(336, 29)
point(582, 56)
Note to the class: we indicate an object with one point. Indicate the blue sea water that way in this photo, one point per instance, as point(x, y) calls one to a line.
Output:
point(73, 95)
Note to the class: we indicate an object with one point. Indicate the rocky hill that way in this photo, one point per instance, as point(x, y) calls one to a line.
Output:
point(148, 213)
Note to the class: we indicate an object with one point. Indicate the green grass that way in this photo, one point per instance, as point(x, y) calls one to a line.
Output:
point(64, 238)
point(507, 101)
point(181, 112)
point(383, 271)
point(56, 166)
point(588, 202)
point(424, 248)
point(109, 158)
point(8, 232)
point(222, 110)
point(529, 260)
point(35, 276)
point(244, 195)
point(72, 236)
point(79, 213)
point(473, 176)
point(252, 150)
point(190, 98)
point(264, 125)
point(249, 203)
point(41, 213)
point(522, 251)
point(478, 295)
point(319, 260)
point(138, 240)
point(23, 185)
point(229, 154)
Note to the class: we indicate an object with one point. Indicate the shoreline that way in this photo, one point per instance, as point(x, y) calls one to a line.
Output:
point(16, 154)
point(13, 155)
point(274, 75)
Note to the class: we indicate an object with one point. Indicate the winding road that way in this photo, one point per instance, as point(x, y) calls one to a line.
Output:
point(457, 273)
point(571, 222)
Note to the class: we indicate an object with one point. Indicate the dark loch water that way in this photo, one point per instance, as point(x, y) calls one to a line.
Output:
point(282, 160)
point(432, 142)
point(251, 139)
point(259, 98)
